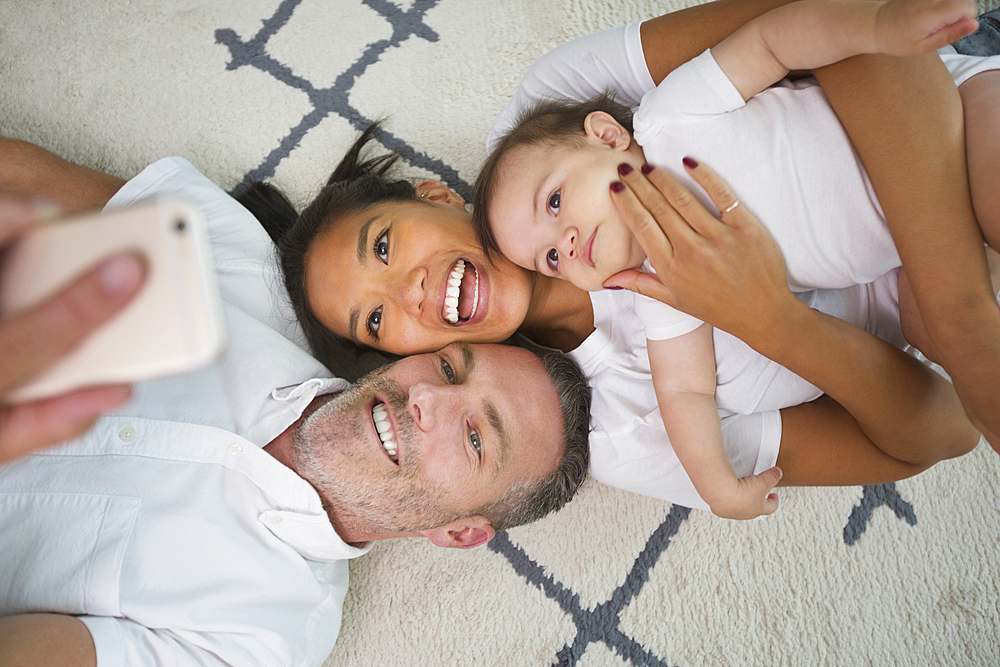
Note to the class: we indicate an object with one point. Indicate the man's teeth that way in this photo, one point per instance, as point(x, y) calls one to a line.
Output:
point(381, 418)
point(454, 290)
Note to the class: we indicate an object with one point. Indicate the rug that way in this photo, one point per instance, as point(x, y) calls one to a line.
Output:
point(897, 574)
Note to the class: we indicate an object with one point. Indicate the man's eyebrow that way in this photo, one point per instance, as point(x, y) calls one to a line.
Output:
point(492, 415)
point(503, 451)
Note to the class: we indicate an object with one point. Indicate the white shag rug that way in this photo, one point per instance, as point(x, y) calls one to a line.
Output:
point(903, 574)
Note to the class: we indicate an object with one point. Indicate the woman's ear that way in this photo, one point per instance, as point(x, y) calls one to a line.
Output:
point(440, 193)
point(602, 127)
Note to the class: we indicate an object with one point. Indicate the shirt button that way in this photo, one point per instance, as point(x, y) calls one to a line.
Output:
point(235, 449)
point(282, 393)
point(127, 434)
point(274, 520)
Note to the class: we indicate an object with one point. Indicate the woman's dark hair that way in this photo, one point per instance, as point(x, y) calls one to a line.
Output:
point(354, 185)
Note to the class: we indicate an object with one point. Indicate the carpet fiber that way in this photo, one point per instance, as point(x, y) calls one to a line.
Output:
point(898, 574)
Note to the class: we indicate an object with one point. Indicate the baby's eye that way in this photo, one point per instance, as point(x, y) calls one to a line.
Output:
point(381, 247)
point(374, 322)
point(477, 443)
point(554, 200)
point(449, 372)
point(552, 259)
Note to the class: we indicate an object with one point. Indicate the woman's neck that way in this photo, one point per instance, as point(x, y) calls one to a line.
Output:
point(560, 315)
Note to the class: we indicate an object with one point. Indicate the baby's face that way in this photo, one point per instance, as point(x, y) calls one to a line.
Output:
point(553, 213)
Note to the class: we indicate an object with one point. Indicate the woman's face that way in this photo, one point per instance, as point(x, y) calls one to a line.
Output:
point(409, 277)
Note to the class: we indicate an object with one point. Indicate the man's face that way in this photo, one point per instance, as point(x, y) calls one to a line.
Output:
point(459, 426)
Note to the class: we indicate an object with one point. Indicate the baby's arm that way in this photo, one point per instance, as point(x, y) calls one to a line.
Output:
point(683, 371)
point(814, 33)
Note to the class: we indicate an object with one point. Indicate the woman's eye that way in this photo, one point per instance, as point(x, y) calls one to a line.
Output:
point(552, 259)
point(382, 247)
point(477, 443)
point(374, 322)
point(448, 371)
point(554, 200)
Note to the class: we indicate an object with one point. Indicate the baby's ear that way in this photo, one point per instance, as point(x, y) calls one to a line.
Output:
point(601, 126)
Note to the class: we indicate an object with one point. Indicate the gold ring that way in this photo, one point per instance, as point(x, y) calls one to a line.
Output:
point(732, 206)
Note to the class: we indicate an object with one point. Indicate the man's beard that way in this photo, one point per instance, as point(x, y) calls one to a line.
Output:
point(331, 451)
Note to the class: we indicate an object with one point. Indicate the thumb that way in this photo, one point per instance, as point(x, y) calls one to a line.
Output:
point(769, 478)
point(639, 282)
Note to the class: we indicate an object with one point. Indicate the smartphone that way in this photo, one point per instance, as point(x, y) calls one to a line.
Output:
point(173, 325)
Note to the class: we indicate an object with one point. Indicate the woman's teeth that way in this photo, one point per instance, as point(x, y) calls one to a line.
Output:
point(381, 418)
point(454, 291)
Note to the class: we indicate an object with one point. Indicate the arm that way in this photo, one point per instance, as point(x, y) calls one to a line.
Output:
point(813, 33)
point(45, 639)
point(683, 370)
point(904, 116)
point(731, 274)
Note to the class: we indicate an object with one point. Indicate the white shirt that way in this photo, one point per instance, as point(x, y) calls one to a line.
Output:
point(166, 528)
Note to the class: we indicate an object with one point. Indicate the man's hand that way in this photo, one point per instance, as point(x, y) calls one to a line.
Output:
point(31, 341)
point(915, 27)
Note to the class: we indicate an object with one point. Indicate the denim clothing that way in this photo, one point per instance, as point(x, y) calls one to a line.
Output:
point(986, 40)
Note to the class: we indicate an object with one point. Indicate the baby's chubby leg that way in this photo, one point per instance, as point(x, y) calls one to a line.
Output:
point(981, 108)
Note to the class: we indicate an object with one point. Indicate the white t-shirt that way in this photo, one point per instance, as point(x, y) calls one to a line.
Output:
point(166, 528)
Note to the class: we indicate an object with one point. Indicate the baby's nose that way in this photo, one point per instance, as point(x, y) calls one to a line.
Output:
point(567, 243)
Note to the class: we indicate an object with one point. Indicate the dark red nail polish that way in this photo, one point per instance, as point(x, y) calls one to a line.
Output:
point(613, 287)
point(690, 163)
point(646, 168)
point(618, 186)
point(624, 169)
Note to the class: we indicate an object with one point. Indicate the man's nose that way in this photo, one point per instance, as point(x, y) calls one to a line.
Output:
point(566, 245)
point(431, 404)
point(410, 290)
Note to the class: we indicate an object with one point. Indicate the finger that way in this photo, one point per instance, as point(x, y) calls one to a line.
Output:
point(653, 233)
point(33, 339)
point(717, 189)
point(950, 33)
point(29, 426)
point(769, 478)
point(770, 504)
point(639, 282)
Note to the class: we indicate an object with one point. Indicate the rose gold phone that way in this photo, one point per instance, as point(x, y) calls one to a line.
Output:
point(173, 325)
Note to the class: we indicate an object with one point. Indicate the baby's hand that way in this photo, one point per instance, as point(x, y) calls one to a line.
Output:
point(751, 498)
point(915, 27)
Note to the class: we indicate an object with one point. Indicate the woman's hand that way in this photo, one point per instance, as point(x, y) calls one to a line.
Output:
point(31, 341)
point(728, 272)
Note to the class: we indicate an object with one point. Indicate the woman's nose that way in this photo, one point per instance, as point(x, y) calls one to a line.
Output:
point(566, 244)
point(411, 291)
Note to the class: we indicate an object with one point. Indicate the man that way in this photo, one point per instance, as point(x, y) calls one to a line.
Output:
point(210, 520)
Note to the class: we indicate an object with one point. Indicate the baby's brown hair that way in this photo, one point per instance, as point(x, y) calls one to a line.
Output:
point(552, 122)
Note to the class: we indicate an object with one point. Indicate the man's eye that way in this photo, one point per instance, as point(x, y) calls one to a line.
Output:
point(477, 443)
point(381, 247)
point(448, 371)
point(552, 259)
point(554, 200)
point(374, 322)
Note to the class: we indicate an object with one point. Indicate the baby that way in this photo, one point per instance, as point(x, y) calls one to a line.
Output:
point(542, 198)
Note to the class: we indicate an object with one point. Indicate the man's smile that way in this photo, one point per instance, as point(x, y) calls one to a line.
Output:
point(386, 433)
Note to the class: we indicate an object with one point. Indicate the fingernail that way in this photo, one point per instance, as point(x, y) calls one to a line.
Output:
point(646, 168)
point(690, 163)
point(618, 186)
point(624, 169)
point(120, 275)
point(613, 287)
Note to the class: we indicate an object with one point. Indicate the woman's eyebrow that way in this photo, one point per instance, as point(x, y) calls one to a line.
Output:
point(363, 238)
